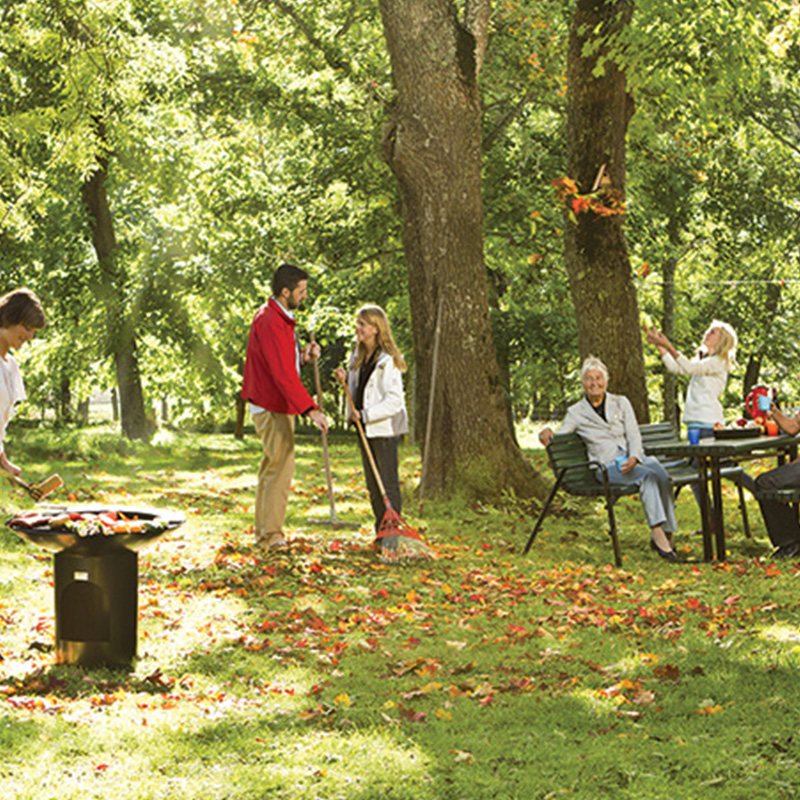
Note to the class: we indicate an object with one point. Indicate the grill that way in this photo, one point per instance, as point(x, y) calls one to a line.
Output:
point(96, 582)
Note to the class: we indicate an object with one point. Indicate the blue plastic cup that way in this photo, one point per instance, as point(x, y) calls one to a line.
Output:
point(764, 402)
point(694, 435)
point(619, 461)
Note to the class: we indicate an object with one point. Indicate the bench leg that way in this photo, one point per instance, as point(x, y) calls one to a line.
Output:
point(543, 512)
point(612, 522)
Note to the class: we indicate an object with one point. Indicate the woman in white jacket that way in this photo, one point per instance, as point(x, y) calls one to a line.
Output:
point(375, 380)
point(708, 369)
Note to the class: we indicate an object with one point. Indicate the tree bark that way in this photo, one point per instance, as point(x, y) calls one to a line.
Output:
point(64, 400)
point(120, 325)
point(598, 111)
point(433, 146)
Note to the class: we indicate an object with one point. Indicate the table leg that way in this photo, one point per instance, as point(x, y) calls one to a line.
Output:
point(705, 510)
point(719, 524)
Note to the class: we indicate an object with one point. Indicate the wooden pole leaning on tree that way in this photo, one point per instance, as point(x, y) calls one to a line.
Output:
point(431, 397)
point(334, 521)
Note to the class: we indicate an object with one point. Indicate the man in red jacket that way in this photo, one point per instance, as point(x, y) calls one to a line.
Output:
point(276, 395)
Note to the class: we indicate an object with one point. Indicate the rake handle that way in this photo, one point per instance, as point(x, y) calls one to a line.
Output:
point(324, 435)
point(366, 445)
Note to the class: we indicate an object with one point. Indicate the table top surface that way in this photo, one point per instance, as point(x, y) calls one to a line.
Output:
point(723, 447)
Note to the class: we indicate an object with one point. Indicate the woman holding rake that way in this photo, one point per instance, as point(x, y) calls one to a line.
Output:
point(375, 382)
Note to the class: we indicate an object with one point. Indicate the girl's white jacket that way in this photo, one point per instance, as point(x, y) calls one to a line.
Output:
point(384, 412)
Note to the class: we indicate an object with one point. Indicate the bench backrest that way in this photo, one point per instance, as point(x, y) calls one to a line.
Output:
point(569, 450)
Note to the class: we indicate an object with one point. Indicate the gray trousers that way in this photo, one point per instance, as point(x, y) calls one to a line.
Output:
point(655, 491)
point(780, 518)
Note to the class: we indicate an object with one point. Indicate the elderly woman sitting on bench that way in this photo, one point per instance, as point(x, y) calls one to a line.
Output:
point(607, 423)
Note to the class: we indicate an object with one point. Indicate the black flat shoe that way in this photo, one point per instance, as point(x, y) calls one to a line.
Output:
point(667, 555)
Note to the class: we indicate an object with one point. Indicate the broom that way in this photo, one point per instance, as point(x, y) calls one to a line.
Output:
point(334, 521)
point(399, 541)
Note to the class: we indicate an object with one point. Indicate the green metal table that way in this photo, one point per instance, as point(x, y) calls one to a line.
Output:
point(709, 455)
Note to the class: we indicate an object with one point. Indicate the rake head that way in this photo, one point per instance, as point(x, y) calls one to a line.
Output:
point(399, 541)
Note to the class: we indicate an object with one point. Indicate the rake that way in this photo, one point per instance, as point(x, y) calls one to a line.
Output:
point(398, 540)
point(333, 521)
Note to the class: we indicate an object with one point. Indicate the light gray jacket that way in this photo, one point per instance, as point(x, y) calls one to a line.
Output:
point(604, 439)
point(384, 412)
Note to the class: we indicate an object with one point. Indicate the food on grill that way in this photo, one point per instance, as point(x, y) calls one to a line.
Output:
point(105, 523)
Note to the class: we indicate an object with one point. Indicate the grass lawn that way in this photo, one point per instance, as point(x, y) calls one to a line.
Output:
point(322, 673)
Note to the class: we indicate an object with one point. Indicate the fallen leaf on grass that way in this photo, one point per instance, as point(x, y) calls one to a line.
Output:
point(427, 689)
point(668, 672)
point(343, 700)
point(462, 756)
point(410, 715)
point(715, 709)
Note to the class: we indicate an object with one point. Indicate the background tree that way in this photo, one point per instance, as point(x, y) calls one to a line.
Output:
point(599, 108)
point(433, 146)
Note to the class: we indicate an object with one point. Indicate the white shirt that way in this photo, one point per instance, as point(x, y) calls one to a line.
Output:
point(12, 390)
point(709, 376)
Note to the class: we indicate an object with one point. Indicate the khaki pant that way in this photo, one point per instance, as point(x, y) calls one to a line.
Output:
point(274, 474)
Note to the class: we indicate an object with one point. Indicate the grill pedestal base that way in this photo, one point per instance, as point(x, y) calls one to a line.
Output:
point(96, 608)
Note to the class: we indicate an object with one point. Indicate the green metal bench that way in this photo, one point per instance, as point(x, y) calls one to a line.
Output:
point(576, 474)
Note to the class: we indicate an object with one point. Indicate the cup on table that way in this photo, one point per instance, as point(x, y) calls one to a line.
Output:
point(694, 435)
point(619, 461)
point(772, 427)
point(764, 402)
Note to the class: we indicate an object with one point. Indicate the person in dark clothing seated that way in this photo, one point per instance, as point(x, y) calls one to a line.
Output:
point(780, 518)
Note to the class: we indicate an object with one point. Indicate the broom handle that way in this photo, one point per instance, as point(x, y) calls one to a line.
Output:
point(432, 396)
point(324, 436)
point(366, 445)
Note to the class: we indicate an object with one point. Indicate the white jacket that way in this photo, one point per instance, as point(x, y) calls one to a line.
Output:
point(709, 376)
point(12, 390)
point(384, 412)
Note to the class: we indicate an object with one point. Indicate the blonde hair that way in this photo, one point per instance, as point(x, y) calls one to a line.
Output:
point(376, 316)
point(726, 349)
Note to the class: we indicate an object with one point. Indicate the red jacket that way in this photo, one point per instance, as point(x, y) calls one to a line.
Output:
point(270, 368)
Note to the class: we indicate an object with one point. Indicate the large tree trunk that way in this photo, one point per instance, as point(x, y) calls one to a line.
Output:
point(120, 326)
point(598, 112)
point(433, 146)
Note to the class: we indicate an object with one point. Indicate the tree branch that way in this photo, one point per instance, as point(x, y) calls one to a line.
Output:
point(332, 58)
point(510, 115)
point(794, 146)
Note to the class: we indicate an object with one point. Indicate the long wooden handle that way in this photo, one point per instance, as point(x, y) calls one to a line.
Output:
point(431, 397)
point(328, 475)
point(366, 444)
